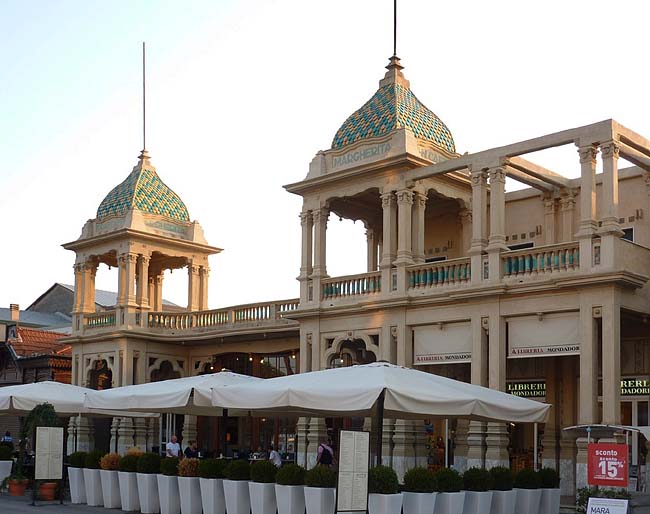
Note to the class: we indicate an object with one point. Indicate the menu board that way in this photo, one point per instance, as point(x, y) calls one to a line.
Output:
point(49, 453)
point(354, 456)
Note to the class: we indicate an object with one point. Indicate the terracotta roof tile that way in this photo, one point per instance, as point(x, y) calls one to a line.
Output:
point(31, 342)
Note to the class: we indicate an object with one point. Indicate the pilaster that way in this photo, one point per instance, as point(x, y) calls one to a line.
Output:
point(611, 360)
point(320, 217)
point(389, 239)
point(404, 232)
point(418, 226)
point(479, 224)
point(588, 225)
point(142, 290)
point(497, 241)
point(204, 275)
point(192, 287)
point(550, 210)
point(371, 249)
point(306, 259)
point(496, 439)
point(567, 210)
point(610, 231)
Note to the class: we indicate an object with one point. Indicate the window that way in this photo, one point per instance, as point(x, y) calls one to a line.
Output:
point(628, 234)
point(521, 246)
point(437, 259)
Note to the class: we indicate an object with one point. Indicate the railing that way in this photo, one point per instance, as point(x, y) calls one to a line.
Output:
point(100, 319)
point(258, 312)
point(440, 274)
point(351, 285)
point(541, 260)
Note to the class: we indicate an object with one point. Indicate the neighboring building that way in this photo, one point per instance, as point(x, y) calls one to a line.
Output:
point(542, 292)
point(55, 321)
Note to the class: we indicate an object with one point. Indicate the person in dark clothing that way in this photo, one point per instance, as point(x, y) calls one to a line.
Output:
point(191, 452)
point(325, 455)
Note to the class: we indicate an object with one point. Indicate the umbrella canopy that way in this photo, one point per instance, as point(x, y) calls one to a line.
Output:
point(177, 396)
point(67, 400)
point(357, 391)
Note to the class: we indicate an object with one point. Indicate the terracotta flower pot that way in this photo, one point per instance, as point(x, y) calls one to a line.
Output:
point(47, 491)
point(17, 487)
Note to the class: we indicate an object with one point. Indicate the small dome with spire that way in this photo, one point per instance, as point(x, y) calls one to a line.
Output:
point(394, 106)
point(143, 190)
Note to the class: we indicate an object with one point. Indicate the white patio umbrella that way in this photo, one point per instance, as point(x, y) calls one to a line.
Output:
point(379, 389)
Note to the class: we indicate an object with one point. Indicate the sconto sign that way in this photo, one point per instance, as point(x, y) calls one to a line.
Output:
point(607, 464)
point(530, 389)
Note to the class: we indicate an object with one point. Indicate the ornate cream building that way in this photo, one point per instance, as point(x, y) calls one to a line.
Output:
point(541, 291)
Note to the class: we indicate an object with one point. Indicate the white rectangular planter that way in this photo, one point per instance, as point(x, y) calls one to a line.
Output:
point(503, 502)
point(321, 500)
point(550, 502)
point(5, 469)
point(190, 493)
point(477, 502)
point(129, 497)
point(290, 498)
point(77, 485)
point(450, 503)
point(168, 495)
point(237, 497)
point(384, 503)
point(212, 495)
point(148, 493)
point(528, 500)
point(262, 498)
point(93, 482)
point(418, 503)
point(110, 489)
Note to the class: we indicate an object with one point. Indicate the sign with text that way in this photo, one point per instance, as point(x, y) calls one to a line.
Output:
point(635, 387)
point(606, 506)
point(49, 453)
point(448, 343)
point(607, 464)
point(354, 459)
point(528, 389)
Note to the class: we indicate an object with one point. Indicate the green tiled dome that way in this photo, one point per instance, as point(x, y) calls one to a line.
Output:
point(392, 107)
point(143, 190)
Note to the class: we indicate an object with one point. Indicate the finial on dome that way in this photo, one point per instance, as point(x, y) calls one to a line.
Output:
point(143, 158)
point(394, 74)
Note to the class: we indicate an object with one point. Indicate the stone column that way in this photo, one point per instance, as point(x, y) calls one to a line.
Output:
point(404, 214)
point(78, 287)
point(403, 447)
point(496, 440)
point(497, 241)
point(126, 293)
point(550, 209)
point(371, 252)
point(611, 360)
point(140, 434)
point(610, 232)
point(418, 226)
point(465, 220)
point(307, 226)
point(567, 208)
point(125, 435)
point(190, 431)
point(302, 442)
point(479, 374)
point(142, 290)
point(549, 439)
point(389, 240)
point(461, 446)
point(317, 434)
point(204, 274)
point(588, 225)
point(85, 436)
point(192, 287)
point(566, 414)
point(89, 273)
point(157, 282)
point(320, 217)
point(479, 224)
point(152, 433)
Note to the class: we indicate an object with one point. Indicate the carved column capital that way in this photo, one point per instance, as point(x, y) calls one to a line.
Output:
point(550, 205)
point(497, 174)
point(610, 149)
point(567, 201)
point(588, 154)
point(306, 218)
point(465, 216)
point(478, 177)
point(387, 199)
point(405, 196)
point(321, 215)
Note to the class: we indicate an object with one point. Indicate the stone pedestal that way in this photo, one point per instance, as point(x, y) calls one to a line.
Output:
point(190, 431)
point(567, 468)
point(476, 444)
point(125, 435)
point(302, 443)
point(317, 434)
point(420, 444)
point(387, 443)
point(85, 435)
point(549, 445)
point(140, 433)
point(496, 441)
point(460, 453)
point(581, 463)
point(403, 447)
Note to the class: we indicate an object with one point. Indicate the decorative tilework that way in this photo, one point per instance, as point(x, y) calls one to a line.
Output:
point(143, 190)
point(394, 106)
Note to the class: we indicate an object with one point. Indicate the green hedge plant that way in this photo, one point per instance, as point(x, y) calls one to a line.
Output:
point(238, 470)
point(449, 481)
point(382, 480)
point(502, 478)
point(419, 480)
point(549, 478)
point(93, 459)
point(291, 474)
point(320, 476)
point(77, 459)
point(169, 466)
point(149, 463)
point(128, 464)
point(212, 468)
point(263, 472)
point(477, 479)
point(526, 479)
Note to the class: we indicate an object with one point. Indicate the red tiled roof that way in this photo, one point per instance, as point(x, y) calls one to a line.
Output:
point(31, 342)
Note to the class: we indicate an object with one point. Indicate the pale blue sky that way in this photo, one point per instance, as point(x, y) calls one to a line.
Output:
point(242, 94)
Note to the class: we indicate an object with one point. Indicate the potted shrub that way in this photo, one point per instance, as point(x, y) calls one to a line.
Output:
point(76, 462)
point(92, 479)
point(320, 490)
point(211, 475)
point(289, 489)
point(128, 479)
point(109, 464)
point(477, 483)
point(235, 487)
point(529, 494)
point(262, 487)
point(148, 468)
point(450, 498)
point(6, 461)
point(550, 483)
point(383, 489)
point(188, 486)
point(418, 493)
point(503, 496)
point(168, 486)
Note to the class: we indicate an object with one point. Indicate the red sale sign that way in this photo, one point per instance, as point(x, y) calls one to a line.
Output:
point(607, 464)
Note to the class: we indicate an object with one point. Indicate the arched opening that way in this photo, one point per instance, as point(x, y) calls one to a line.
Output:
point(100, 377)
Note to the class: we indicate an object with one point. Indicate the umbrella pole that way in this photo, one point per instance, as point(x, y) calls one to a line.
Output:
point(447, 442)
point(380, 425)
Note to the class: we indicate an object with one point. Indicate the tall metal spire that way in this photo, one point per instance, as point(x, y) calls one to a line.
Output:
point(144, 101)
point(394, 28)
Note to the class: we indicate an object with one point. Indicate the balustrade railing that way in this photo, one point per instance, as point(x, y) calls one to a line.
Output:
point(440, 274)
point(541, 260)
point(351, 285)
point(100, 319)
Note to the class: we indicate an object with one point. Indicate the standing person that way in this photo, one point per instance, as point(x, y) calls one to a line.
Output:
point(191, 452)
point(325, 454)
point(173, 448)
point(274, 457)
point(7, 438)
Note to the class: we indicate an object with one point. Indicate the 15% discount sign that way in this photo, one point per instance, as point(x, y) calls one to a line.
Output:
point(607, 464)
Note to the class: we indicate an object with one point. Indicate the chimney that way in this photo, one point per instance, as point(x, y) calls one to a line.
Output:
point(15, 311)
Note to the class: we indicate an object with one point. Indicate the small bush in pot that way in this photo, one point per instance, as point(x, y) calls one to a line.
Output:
point(529, 494)
point(238, 470)
point(92, 479)
point(263, 472)
point(212, 468)
point(236, 487)
point(149, 464)
point(128, 464)
point(291, 474)
point(449, 481)
point(76, 462)
point(549, 478)
point(127, 467)
point(382, 480)
point(477, 479)
point(93, 459)
point(169, 466)
point(527, 479)
point(419, 480)
point(77, 459)
point(188, 486)
point(502, 478)
point(188, 468)
point(320, 476)
point(110, 462)
point(148, 468)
